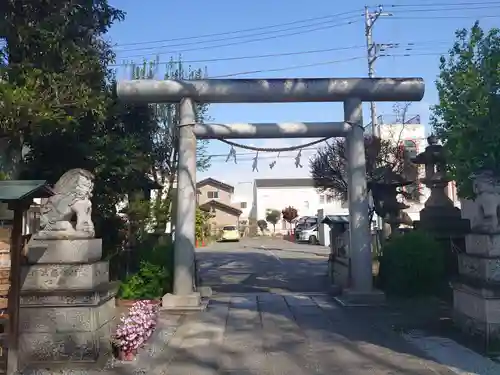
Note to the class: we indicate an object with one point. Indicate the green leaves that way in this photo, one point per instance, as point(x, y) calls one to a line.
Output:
point(467, 117)
point(412, 264)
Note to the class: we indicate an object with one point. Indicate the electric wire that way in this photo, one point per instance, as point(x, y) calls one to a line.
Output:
point(272, 37)
point(284, 54)
point(244, 30)
point(461, 6)
point(266, 33)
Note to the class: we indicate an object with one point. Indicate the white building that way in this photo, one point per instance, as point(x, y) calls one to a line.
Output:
point(300, 193)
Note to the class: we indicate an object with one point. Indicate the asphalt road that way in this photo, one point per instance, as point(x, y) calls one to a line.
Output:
point(263, 265)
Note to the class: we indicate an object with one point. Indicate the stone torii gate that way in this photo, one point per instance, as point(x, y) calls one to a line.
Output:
point(351, 91)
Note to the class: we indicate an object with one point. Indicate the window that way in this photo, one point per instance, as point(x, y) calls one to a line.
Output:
point(329, 199)
point(322, 198)
point(306, 204)
point(213, 194)
point(243, 205)
point(229, 227)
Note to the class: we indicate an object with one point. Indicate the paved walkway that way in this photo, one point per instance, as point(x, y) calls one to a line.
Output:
point(292, 334)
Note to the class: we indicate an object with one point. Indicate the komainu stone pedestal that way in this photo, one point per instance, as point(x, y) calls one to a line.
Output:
point(476, 295)
point(67, 304)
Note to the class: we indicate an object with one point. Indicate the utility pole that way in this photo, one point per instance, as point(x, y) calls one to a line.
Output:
point(373, 50)
point(372, 54)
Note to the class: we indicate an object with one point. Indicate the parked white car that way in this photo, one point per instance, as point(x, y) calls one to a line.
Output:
point(309, 235)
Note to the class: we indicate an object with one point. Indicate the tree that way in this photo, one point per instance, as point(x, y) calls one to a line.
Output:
point(289, 214)
point(273, 217)
point(329, 167)
point(56, 77)
point(164, 166)
point(468, 113)
point(53, 68)
point(262, 224)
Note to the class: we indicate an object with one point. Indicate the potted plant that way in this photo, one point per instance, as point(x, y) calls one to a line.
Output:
point(135, 329)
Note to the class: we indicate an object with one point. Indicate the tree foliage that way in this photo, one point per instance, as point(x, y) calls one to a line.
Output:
point(329, 167)
point(58, 99)
point(165, 150)
point(467, 117)
point(273, 216)
point(262, 224)
point(289, 214)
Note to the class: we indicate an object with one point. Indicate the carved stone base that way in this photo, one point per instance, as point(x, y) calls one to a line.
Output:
point(67, 307)
point(475, 310)
point(479, 267)
point(483, 244)
point(58, 334)
point(64, 251)
point(446, 220)
point(64, 276)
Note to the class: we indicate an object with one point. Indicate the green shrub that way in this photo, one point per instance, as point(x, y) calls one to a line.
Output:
point(154, 277)
point(148, 283)
point(411, 265)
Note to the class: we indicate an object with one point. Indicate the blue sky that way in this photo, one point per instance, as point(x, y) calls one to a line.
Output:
point(422, 30)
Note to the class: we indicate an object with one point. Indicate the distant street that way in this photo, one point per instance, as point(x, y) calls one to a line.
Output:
point(264, 265)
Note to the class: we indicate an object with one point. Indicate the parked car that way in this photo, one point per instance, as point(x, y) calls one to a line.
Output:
point(309, 235)
point(230, 233)
point(305, 223)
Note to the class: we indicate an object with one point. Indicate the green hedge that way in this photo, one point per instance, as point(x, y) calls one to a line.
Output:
point(412, 264)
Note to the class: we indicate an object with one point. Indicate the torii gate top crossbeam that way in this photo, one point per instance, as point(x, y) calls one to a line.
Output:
point(275, 90)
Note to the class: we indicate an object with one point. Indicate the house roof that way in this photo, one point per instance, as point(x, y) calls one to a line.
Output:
point(14, 190)
point(216, 183)
point(221, 206)
point(283, 182)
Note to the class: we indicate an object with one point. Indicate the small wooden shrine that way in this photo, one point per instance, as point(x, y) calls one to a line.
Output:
point(19, 195)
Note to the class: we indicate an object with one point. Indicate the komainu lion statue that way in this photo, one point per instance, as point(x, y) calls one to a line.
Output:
point(71, 199)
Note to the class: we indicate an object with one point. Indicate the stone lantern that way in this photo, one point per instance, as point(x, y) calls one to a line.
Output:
point(384, 188)
point(439, 214)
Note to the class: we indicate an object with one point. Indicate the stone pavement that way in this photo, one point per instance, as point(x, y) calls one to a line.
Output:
point(265, 333)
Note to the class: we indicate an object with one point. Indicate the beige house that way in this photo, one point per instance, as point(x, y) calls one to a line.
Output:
point(215, 197)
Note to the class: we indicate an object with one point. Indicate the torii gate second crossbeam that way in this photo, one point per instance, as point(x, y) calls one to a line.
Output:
point(351, 91)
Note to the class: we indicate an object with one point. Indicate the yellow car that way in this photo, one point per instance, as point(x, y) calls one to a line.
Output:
point(230, 233)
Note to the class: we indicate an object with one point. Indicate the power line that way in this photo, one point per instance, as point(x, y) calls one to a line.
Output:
point(235, 74)
point(478, 16)
point(359, 10)
point(247, 41)
point(288, 67)
point(295, 28)
point(434, 4)
point(293, 53)
point(249, 57)
point(423, 8)
point(451, 9)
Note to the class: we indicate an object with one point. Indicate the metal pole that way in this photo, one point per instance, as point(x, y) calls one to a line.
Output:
point(372, 56)
point(184, 246)
point(360, 239)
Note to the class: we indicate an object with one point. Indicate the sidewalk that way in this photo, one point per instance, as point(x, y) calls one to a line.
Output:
point(268, 334)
